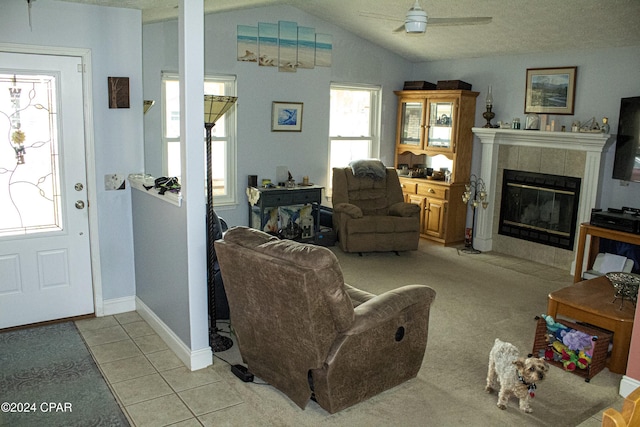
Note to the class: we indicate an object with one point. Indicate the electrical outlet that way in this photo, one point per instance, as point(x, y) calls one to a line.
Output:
point(114, 181)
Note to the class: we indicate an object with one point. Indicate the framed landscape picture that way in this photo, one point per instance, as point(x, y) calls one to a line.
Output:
point(550, 90)
point(286, 117)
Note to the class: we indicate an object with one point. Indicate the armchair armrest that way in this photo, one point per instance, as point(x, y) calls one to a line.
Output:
point(348, 209)
point(387, 305)
point(404, 209)
point(370, 356)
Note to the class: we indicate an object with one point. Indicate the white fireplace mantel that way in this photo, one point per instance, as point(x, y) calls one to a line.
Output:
point(579, 141)
point(593, 144)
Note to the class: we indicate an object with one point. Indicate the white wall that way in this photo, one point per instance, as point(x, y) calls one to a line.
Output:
point(603, 77)
point(260, 151)
point(115, 39)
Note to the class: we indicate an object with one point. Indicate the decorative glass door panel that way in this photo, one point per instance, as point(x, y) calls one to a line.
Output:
point(29, 173)
point(440, 124)
point(411, 124)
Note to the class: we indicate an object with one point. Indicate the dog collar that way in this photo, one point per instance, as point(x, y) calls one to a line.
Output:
point(531, 387)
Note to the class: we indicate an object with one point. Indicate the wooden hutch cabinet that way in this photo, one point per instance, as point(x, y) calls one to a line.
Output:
point(434, 133)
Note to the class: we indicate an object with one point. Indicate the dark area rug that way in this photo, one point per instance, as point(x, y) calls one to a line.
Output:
point(48, 378)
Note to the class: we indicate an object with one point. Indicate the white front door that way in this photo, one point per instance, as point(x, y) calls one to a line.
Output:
point(45, 264)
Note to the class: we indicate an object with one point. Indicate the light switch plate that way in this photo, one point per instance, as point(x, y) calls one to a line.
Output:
point(114, 181)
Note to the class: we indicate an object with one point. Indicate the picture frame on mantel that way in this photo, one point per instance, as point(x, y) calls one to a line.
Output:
point(550, 90)
point(286, 116)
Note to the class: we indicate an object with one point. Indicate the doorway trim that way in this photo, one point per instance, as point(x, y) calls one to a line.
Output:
point(84, 56)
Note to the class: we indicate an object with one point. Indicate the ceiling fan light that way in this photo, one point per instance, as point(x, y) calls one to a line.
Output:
point(415, 27)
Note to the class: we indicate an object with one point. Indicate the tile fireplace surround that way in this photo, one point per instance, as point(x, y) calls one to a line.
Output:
point(558, 153)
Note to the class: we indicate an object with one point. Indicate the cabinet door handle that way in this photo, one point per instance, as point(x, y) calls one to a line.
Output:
point(431, 190)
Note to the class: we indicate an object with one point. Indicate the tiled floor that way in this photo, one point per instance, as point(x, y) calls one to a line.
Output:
point(152, 385)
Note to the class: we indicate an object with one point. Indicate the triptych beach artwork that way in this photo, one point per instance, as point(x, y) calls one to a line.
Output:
point(284, 45)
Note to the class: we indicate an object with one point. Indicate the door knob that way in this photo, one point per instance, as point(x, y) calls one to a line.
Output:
point(79, 204)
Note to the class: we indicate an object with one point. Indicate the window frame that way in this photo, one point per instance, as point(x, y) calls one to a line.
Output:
point(375, 93)
point(230, 118)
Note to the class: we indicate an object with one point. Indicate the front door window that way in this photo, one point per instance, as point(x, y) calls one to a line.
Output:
point(29, 174)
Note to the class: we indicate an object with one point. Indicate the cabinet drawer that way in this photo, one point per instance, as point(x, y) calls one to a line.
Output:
point(306, 197)
point(281, 199)
point(408, 187)
point(432, 191)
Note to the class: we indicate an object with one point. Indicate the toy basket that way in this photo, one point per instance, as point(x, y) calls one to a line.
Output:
point(600, 338)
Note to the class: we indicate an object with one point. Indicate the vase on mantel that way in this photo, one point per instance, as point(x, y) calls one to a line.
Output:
point(533, 122)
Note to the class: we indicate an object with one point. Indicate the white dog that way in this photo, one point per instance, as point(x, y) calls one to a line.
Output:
point(516, 375)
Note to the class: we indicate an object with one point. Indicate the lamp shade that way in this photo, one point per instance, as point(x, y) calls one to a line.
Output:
point(148, 103)
point(215, 106)
point(489, 99)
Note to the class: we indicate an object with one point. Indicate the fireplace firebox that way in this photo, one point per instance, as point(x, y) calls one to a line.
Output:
point(540, 208)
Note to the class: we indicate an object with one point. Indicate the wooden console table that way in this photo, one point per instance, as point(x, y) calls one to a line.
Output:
point(596, 233)
point(591, 301)
point(263, 198)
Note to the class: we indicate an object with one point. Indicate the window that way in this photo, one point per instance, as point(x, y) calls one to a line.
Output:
point(223, 137)
point(353, 124)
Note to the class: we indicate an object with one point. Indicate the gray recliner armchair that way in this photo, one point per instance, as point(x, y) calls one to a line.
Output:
point(306, 332)
point(369, 211)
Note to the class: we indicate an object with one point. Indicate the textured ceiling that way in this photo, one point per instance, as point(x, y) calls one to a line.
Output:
point(518, 26)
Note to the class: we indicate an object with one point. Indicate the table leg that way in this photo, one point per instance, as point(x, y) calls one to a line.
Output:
point(552, 308)
point(317, 225)
point(577, 274)
point(620, 350)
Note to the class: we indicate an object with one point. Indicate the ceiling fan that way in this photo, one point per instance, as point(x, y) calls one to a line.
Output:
point(415, 21)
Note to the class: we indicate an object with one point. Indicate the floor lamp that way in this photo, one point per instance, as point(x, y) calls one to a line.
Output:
point(214, 108)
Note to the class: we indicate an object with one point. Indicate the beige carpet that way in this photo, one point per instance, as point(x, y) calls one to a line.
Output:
point(479, 298)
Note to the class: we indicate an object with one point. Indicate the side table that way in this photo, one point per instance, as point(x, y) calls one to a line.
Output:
point(591, 301)
point(262, 198)
point(596, 233)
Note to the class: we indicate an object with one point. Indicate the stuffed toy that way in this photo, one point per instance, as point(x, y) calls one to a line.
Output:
point(548, 353)
point(552, 325)
point(572, 348)
point(559, 347)
point(576, 340)
point(569, 360)
point(583, 360)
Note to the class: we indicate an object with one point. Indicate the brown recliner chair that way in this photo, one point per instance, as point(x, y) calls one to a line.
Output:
point(370, 214)
point(303, 330)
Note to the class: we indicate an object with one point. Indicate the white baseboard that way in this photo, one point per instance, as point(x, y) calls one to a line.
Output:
point(627, 385)
point(194, 360)
point(118, 305)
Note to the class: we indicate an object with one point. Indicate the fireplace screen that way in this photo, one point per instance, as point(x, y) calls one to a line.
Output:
point(539, 207)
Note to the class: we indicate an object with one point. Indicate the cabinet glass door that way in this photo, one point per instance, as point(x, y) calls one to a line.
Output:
point(411, 123)
point(440, 124)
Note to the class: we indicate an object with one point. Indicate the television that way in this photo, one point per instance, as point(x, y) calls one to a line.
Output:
point(627, 160)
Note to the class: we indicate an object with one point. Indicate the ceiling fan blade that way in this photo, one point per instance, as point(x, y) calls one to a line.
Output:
point(475, 20)
point(436, 22)
point(380, 16)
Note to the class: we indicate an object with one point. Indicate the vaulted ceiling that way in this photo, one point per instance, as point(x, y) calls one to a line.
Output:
point(517, 27)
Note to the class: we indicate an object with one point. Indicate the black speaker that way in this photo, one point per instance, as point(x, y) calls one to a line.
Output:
point(252, 181)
